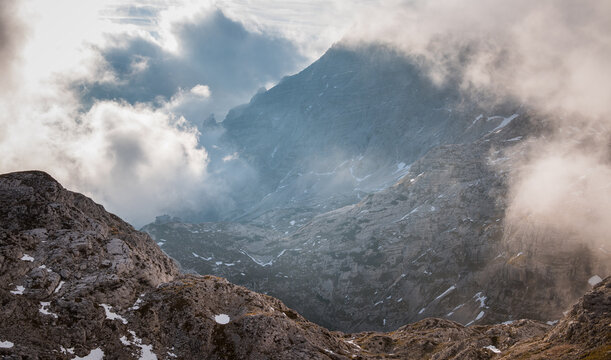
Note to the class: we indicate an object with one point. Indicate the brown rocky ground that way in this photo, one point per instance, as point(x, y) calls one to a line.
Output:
point(76, 281)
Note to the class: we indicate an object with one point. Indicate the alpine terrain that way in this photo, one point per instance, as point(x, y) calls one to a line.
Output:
point(79, 283)
point(376, 197)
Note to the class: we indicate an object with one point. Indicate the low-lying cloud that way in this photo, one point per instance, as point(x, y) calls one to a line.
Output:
point(11, 34)
point(551, 55)
point(121, 118)
point(215, 51)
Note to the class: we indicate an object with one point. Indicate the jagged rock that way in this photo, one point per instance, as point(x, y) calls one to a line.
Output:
point(376, 192)
point(151, 311)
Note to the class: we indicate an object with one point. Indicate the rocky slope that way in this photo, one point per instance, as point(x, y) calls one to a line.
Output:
point(372, 192)
point(347, 125)
point(79, 283)
point(431, 245)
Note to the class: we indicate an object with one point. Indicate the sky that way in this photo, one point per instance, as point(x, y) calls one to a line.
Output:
point(107, 95)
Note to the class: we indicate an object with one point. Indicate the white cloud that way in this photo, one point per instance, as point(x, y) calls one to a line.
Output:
point(201, 90)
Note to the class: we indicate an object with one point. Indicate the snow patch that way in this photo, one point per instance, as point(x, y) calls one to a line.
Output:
point(506, 121)
point(18, 290)
point(450, 289)
point(221, 319)
point(44, 267)
point(478, 317)
point(146, 351)
point(95, 354)
point(136, 305)
point(493, 349)
point(351, 342)
point(27, 257)
point(66, 351)
point(201, 257)
point(6, 344)
point(552, 323)
point(258, 262)
point(44, 309)
point(481, 298)
point(59, 286)
point(594, 280)
point(421, 310)
point(111, 315)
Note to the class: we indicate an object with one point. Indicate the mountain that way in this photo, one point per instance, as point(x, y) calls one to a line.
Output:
point(79, 283)
point(348, 125)
point(380, 200)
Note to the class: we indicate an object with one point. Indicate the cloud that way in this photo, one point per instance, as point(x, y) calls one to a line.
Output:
point(11, 35)
point(201, 90)
point(552, 55)
point(137, 161)
point(564, 191)
point(214, 50)
point(110, 110)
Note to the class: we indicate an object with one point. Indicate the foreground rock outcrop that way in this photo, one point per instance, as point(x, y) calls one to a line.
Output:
point(77, 282)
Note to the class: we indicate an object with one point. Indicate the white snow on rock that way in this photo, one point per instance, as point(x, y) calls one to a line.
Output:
point(478, 317)
point(146, 351)
point(59, 286)
point(493, 349)
point(221, 319)
point(552, 323)
point(44, 309)
point(18, 290)
point(481, 298)
point(201, 257)
point(258, 262)
point(66, 351)
point(44, 267)
point(95, 354)
point(450, 289)
point(136, 305)
point(292, 223)
point(27, 257)
point(421, 311)
point(6, 344)
point(506, 121)
point(594, 280)
point(111, 315)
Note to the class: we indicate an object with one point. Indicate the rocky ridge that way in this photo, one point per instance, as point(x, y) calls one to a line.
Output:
point(79, 283)
point(433, 244)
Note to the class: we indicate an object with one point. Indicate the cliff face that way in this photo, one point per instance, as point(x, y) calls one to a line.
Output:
point(77, 282)
point(379, 199)
point(433, 244)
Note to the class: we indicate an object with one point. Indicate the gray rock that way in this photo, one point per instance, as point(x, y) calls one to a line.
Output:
point(151, 310)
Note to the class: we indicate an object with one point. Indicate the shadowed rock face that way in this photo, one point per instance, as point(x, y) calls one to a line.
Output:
point(380, 199)
point(433, 244)
point(78, 281)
